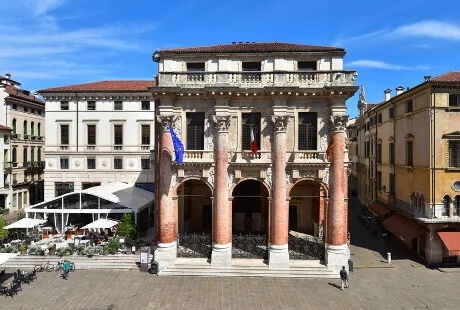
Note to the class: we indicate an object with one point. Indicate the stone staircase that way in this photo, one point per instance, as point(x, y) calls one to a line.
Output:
point(119, 262)
point(249, 268)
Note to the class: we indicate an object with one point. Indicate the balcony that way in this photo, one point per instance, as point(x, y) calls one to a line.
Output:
point(307, 157)
point(258, 79)
point(198, 156)
point(91, 148)
point(7, 167)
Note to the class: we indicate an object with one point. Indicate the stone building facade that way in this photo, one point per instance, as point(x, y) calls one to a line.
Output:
point(235, 202)
point(407, 166)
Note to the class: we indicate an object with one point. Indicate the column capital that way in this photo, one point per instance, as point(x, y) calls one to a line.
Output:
point(280, 122)
point(339, 122)
point(165, 121)
point(221, 122)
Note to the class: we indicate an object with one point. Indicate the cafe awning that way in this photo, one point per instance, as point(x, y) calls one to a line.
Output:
point(378, 209)
point(403, 228)
point(451, 240)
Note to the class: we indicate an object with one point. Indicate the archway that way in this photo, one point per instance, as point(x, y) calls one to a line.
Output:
point(306, 220)
point(250, 213)
point(194, 219)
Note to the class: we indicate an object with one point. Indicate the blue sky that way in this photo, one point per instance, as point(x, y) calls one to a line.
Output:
point(46, 43)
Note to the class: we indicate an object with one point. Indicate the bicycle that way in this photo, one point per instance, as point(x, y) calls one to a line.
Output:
point(44, 267)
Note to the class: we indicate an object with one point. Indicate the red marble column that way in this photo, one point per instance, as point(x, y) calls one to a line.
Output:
point(166, 218)
point(336, 230)
point(345, 205)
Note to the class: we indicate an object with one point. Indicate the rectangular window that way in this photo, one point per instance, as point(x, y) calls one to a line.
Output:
point(409, 107)
point(195, 66)
point(64, 134)
point(391, 178)
point(61, 188)
point(145, 163)
point(118, 105)
point(91, 163)
point(379, 153)
point(379, 180)
point(306, 66)
point(14, 106)
point(39, 154)
point(409, 153)
point(453, 100)
point(118, 163)
point(64, 162)
point(250, 121)
point(391, 151)
point(145, 134)
point(307, 131)
point(91, 134)
point(32, 111)
point(118, 134)
point(391, 113)
point(379, 118)
point(195, 131)
point(145, 105)
point(453, 154)
point(64, 105)
point(91, 105)
point(251, 72)
point(25, 109)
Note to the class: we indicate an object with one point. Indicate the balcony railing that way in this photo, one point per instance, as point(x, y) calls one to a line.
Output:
point(258, 79)
point(307, 156)
point(98, 148)
point(191, 156)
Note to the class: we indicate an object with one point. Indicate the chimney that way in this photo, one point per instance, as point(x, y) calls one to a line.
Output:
point(427, 77)
point(387, 94)
point(399, 90)
point(8, 76)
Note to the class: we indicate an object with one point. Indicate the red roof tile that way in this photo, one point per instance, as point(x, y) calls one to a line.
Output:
point(451, 76)
point(252, 47)
point(104, 86)
point(5, 128)
point(21, 94)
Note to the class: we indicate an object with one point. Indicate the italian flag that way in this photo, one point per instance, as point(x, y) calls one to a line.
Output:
point(253, 142)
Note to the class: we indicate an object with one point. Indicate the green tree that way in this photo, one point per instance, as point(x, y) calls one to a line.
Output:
point(126, 227)
point(3, 232)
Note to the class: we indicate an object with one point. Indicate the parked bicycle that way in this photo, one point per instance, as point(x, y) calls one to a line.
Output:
point(44, 267)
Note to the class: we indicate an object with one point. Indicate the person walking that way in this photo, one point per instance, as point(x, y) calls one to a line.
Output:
point(66, 269)
point(344, 277)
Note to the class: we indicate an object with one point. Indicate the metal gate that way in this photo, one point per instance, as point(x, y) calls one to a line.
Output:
point(194, 245)
point(249, 246)
point(307, 247)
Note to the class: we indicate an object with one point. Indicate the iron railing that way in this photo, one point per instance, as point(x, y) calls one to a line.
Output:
point(194, 245)
point(249, 246)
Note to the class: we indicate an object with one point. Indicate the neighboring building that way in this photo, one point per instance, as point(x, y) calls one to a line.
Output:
point(225, 201)
point(5, 133)
point(24, 113)
point(98, 133)
point(408, 165)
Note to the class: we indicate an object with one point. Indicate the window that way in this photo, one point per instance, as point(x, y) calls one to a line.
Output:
point(195, 131)
point(118, 134)
point(409, 107)
point(32, 154)
point(145, 163)
point(91, 134)
point(307, 131)
point(14, 125)
point(86, 185)
point(453, 100)
point(379, 153)
point(14, 106)
point(91, 105)
point(65, 134)
point(409, 153)
point(379, 118)
point(15, 180)
point(25, 128)
point(367, 151)
point(250, 121)
point(145, 105)
point(251, 66)
point(306, 66)
point(39, 129)
point(32, 111)
point(24, 156)
point(391, 113)
point(255, 75)
point(32, 129)
point(392, 187)
point(64, 105)
point(391, 151)
point(25, 109)
point(39, 154)
point(195, 66)
point(453, 154)
point(64, 162)
point(118, 105)
point(61, 188)
point(379, 180)
point(118, 163)
point(91, 163)
point(447, 201)
point(457, 204)
point(14, 155)
point(145, 134)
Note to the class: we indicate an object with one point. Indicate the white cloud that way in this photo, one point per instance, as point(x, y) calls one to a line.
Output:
point(45, 6)
point(429, 29)
point(377, 64)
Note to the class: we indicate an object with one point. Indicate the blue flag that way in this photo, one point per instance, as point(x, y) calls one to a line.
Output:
point(178, 146)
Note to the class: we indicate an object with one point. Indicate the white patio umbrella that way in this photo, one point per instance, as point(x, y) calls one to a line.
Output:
point(101, 223)
point(25, 223)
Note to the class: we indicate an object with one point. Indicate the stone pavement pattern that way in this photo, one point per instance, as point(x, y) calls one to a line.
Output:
point(372, 288)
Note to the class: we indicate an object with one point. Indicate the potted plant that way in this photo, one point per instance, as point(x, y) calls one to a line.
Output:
point(114, 245)
point(23, 249)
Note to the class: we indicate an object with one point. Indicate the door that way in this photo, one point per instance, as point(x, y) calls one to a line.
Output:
point(292, 217)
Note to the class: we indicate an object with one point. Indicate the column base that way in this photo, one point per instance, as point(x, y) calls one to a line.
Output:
point(337, 256)
point(221, 255)
point(278, 256)
point(165, 254)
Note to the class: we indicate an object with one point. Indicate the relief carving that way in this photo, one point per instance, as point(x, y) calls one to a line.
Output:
point(268, 179)
point(324, 130)
point(339, 122)
point(193, 173)
point(221, 122)
point(231, 178)
point(308, 174)
point(326, 177)
point(165, 121)
point(211, 176)
point(280, 122)
point(289, 179)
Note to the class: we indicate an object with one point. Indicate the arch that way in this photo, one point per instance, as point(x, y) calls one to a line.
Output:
point(321, 184)
point(174, 191)
point(39, 129)
point(32, 154)
point(232, 188)
point(32, 128)
point(25, 127)
point(457, 204)
point(14, 125)
point(409, 137)
point(447, 201)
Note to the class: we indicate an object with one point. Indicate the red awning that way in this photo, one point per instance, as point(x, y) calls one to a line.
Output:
point(451, 240)
point(403, 228)
point(378, 209)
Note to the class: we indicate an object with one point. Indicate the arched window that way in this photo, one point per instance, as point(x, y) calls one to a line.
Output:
point(446, 200)
point(14, 125)
point(39, 129)
point(32, 129)
point(24, 152)
point(14, 156)
point(457, 205)
point(39, 154)
point(413, 200)
point(32, 154)
point(25, 127)
point(422, 202)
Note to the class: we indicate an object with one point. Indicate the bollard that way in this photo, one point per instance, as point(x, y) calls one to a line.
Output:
point(389, 258)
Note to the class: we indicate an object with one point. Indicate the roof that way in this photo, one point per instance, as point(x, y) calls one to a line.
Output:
point(252, 47)
point(5, 128)
point(104, 86)
point(378, 209)
point(21, 94)
point(452, 76)
point(126, 195)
